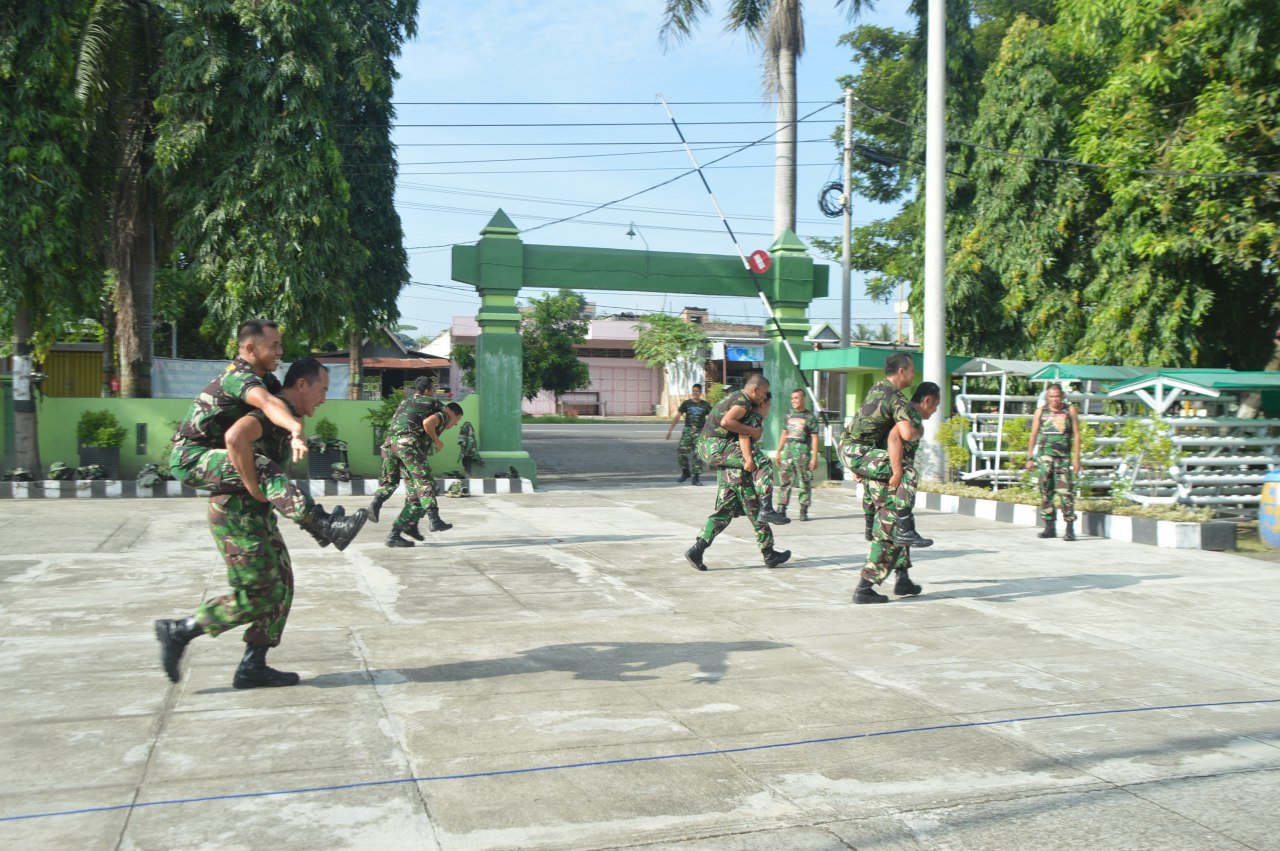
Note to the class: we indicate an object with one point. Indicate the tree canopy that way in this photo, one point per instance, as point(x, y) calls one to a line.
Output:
point(551, 328)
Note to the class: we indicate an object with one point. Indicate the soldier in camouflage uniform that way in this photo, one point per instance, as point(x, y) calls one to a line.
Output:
point(389, 474)
point(797, 455)
point(720, 446)
point(886, 555)
point(199, 456)
point(737, 496)
point(468, 447)
point(248, 538)
point(863, 451)
point(1057, 426)
point(694, 410)
point(416, 424)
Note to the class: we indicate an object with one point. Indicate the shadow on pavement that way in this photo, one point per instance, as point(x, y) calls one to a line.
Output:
point(612, 661)
point(1000, 591)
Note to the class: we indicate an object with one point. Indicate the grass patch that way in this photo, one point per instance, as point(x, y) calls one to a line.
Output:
point(1122, 507)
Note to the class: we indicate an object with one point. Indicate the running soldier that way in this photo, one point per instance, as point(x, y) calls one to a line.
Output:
point(418, 421)
point(248, 538)
point(199, 457)
point(389, 475)
point(694, 410)
point(797, 455)
point(719, 445)
point(1057, 425)
point(862, 446)
point(737, 496)
point(886, 555)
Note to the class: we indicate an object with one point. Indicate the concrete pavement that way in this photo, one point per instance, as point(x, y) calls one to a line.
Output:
point(550, 674)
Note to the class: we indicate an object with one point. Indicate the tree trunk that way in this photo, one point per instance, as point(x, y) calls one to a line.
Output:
point(26, 439)
point(108, 351)
point(355, 391)
point(135, 342)
point(784, 172)
point(1251, 404)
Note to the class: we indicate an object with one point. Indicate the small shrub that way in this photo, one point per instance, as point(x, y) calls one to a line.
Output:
point(326, 430)
point(100, 430)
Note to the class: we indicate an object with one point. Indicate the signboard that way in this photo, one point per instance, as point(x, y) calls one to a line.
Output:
point(760, 261)
point(753, 354)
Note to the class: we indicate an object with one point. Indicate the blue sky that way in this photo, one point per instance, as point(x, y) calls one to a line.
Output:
point(538, 57)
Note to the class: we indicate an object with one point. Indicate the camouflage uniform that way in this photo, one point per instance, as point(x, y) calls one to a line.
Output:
point(468, 447)
point(695, 417)
point(404, 454)
point(720, 448)
point(793, 463)
point(863, 446)
point(258, 567)
point(738, 493)
point(199, 457)
point(1054, 464)
point(885, 556)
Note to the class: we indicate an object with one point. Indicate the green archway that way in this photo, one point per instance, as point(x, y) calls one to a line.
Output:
point(500, 264)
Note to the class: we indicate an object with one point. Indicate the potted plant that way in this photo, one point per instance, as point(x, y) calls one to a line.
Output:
point(324, 449)
point(100, 436)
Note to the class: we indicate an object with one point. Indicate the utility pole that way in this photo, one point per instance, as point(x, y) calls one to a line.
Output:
point(935, 235)
point(846, 249)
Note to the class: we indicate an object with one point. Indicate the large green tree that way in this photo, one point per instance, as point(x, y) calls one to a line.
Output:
point(47, 278)
point(675, 345)
point(549, 330)
point(777, 28)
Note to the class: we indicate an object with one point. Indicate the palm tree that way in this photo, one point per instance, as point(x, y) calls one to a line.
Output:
point(778, 27)
point(119, 53)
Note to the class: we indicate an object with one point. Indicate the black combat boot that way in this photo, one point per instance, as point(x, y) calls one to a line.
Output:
point(804, 513)
point(693, 555)
point(1069, 534)
point(336, 528)
point(768, 515)
point(871, 522)
point(394, 539)
point(904, 587)
point(413, 531)
point(1049, 531)
point(904, 531)
point(174, 637)
point(375, 507)
point(338, 511)
point(684, 475)
point(866, 593)
point(775, 558)
point(696, 481)
point(254, 673)
point(437, 525)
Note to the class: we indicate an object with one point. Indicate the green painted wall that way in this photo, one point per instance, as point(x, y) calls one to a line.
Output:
point(57, 418)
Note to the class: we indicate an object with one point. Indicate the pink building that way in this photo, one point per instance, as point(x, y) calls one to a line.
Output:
point(621, 386)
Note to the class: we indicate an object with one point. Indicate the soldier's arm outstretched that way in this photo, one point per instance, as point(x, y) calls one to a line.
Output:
point(278, 413)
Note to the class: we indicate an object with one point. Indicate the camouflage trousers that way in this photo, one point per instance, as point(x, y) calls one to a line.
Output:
point(793, 471)
point(410, 462)
point(211, 470)
point(726, 453)
point(884, 556)
point(686, 452)
point(1056, 478)
point(258, 571)
point(736, 497)
point(873, 465)
point(389, 476)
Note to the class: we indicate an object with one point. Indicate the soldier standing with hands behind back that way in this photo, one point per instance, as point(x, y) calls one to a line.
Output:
point(797, 455)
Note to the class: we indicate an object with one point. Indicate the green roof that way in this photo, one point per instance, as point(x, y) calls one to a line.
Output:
point(1210, 382)
point(866, 359)
point(1087, 372)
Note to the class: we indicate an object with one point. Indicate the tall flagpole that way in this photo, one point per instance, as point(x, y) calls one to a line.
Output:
point(935, 235)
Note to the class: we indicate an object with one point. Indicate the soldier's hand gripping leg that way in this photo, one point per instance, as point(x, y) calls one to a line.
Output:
point(174, 637)
point(254, 673)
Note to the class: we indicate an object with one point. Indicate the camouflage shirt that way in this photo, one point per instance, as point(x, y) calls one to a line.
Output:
point(735, 399)
point(884, 406)
point(800, 426)
point(406, 422)
point(695, 413)
point(220, 404)
point(274, 442)
point(909, 447)
point(1057, 432)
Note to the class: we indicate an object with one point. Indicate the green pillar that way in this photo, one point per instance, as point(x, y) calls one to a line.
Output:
point(789, 286)
point(499, 257)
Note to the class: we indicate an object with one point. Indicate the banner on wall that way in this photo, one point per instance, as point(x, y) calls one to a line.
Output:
point(175, 378)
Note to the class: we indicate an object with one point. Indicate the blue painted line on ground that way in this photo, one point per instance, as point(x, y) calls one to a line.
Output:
point(368, 784)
